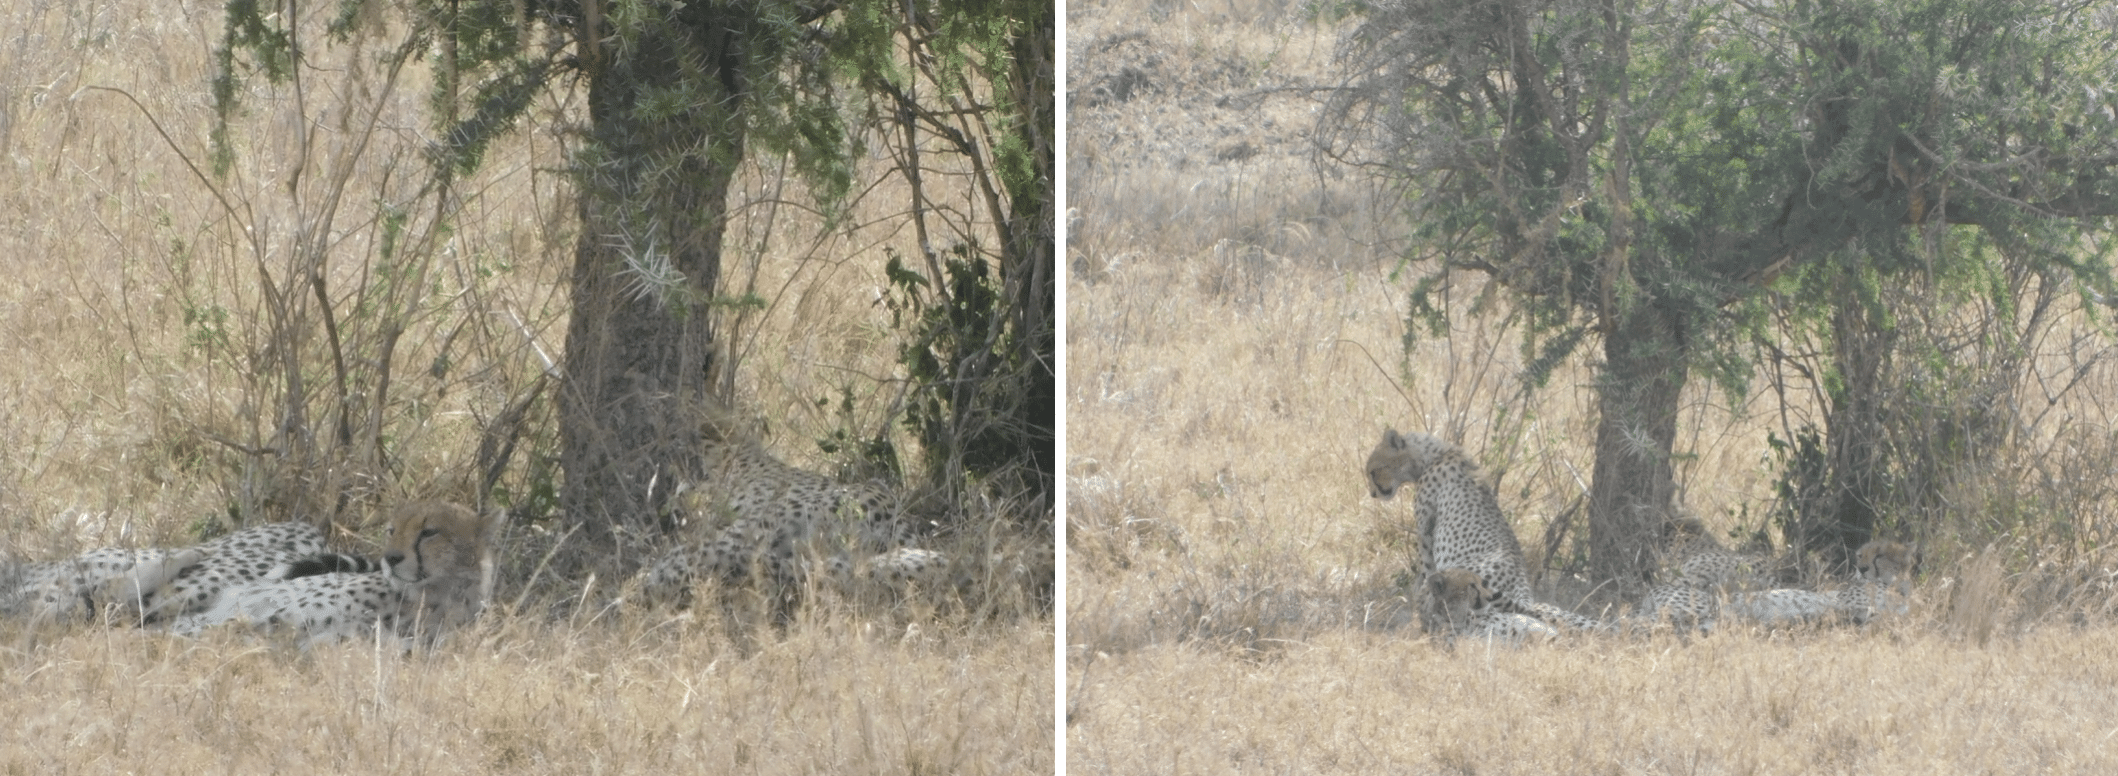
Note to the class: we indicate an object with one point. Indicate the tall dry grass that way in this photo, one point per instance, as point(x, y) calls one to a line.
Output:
point(1236, 343)
point(140, 386)
point(516, 695)
point(1834, 702)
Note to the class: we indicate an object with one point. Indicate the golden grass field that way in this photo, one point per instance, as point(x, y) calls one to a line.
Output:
point(1237, 603)
point(132, 327)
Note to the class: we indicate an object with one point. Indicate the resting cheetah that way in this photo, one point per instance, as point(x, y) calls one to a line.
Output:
point(1467, 603)
point(779, 524)
point(230, 561)
point(1785, 606)
point(1697, 556)
point(1882, 582)
point(436, 575)
point(1878, 565)
point(903, 567)
point(1683, 604)
point(1460, 524)
point(113, 583)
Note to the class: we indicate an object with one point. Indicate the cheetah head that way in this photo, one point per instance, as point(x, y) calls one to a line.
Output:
point(1462, 593)
point(433, 541)
point(1393, 463)
point(1884, 561)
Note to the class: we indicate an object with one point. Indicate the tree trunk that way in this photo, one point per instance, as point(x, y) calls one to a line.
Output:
point(1643, 377)
point(640, 345)
point(1027, 264)
point(1862, 342)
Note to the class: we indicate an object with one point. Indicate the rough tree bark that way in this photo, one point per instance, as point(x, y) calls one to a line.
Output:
point(640, 344)
point(1643, 376)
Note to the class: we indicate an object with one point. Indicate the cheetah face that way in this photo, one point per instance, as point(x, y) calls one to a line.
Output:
point(1463, 594)
point(1391, 465)
point(1884, 561)
point(432, 539)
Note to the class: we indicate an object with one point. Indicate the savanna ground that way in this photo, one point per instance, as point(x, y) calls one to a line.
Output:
point(141, 381)
point(1236, 601)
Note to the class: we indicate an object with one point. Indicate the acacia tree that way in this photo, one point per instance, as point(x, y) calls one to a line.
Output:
point(1642, 175)
point(676, 95)
point(1998, 191)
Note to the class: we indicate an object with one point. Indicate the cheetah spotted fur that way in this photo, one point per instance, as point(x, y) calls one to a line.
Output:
point(1684, 605)
point(1782, 607)
point(231, 561)
point(1882, 583)
point(110, 583)
point(1467, 605)
point(778, 527)
point(435, 576)
point(1698, 557)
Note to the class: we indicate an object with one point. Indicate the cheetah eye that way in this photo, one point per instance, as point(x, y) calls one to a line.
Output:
point(429, 533)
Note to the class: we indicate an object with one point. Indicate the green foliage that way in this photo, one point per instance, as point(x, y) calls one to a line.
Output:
point(495, 74)
point(958, 339)
point(270, 48)
point(1547, 356)
point(678, 95)
point(1803, 471)
point(876, 454)
point(1700, 182)
point(1732, 128)
point(497, 104)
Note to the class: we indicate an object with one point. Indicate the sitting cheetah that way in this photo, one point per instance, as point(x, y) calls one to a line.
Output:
point(1882, 581)
point(778, 523)
point(230, 561)
point(1467, 603)
point(1460, 525)
point(436, 575)
point(111, 583)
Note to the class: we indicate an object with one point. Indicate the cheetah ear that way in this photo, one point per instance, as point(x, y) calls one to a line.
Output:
point(1395, 440)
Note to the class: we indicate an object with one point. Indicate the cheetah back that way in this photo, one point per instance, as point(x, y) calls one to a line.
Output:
point(1460, 521)
point(779, 522)
point(231, 561)
point(436, 575)
point(113, 581)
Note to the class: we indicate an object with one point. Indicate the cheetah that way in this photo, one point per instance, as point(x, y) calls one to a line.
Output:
point(1786, 606)
point(1882, 581)
point(903, 567)
point(110, 583)
point(436, 574)
point(1460, 524)
point(1685, 604)
point(778, 524)
point(1878, 565)
point(1467, 604)
point(231, 561)
point(1698, 557)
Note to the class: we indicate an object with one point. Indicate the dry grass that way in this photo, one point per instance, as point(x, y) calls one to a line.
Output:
point(1835, 702)
point(516, 696)
point(136, 368)
point(1236, 602)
